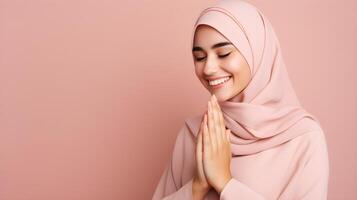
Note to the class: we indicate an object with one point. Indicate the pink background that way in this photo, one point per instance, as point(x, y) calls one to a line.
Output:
point(93, 93)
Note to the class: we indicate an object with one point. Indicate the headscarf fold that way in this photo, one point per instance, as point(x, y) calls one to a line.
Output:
point(270, 113)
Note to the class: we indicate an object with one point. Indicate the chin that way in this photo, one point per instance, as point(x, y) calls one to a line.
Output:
point(221, 98)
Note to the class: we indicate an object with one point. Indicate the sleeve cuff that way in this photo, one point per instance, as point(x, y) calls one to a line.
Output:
point(235, 189)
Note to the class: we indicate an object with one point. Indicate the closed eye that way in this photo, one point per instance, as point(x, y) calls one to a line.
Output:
point(220, 56)
point(199, 59)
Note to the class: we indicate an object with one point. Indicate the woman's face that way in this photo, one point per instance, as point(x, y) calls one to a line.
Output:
point(219, 65)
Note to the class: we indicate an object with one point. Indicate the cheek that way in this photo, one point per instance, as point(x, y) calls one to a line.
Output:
point(241, 73)
point(234, 66)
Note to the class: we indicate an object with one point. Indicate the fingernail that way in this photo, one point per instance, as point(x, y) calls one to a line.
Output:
point(214, 98)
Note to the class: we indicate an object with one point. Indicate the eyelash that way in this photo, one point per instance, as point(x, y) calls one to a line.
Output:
point(220, 56)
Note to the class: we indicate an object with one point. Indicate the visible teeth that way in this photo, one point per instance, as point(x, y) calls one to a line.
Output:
point(219, 81)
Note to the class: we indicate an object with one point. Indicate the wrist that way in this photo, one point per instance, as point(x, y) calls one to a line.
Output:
point(198, 190)
point(222, 184)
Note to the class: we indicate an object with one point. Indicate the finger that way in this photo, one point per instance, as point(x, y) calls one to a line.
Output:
point(199, 151)
point(200, 131)
point(199, 144)
point(217, 124)
point(206, 137)
point(211, 128)
point(221, 120)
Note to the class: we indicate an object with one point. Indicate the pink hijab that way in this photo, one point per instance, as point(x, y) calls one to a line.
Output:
point(270, 112)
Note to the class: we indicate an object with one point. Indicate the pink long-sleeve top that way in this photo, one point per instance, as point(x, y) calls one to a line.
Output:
point(295, 170)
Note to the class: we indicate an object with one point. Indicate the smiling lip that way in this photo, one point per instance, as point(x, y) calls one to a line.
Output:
point(221, 84)
point(215, 78)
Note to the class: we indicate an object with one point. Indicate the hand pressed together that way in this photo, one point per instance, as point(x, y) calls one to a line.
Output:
point(213, 152)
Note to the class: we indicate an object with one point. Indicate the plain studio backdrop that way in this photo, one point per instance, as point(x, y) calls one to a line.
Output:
point(93, 93)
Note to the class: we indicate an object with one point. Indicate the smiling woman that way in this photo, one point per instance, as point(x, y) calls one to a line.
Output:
point(219, 65)
point(255, 141)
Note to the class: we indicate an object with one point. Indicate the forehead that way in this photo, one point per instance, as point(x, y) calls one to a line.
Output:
point(206, 35)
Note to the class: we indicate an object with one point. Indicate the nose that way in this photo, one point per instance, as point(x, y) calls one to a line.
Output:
point(211, 66)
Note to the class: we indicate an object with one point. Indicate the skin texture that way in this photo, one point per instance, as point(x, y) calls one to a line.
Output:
point(213, 151)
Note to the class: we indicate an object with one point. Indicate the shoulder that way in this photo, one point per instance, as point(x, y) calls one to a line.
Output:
point(303, 149)
point(314, 167)
point(313, 148)
point(314, 140)
point(184, 133)
point(185, 141)
point(310, 139)
point(193, 124)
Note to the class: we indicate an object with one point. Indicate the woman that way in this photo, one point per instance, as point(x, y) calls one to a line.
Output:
point(255, 141)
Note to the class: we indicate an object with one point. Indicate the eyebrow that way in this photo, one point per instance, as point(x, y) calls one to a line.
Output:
point(221, 44)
